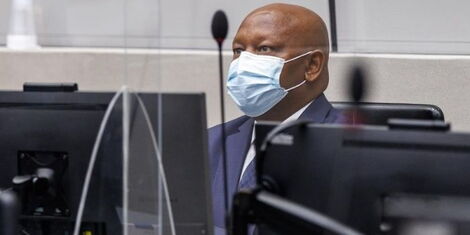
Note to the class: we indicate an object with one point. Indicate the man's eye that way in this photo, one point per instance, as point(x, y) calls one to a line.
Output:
point(237, 51)
point(264, 49)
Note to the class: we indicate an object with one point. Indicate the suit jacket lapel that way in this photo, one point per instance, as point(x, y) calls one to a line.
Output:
point(318, 110)
point(238, 141)
point(237, 148)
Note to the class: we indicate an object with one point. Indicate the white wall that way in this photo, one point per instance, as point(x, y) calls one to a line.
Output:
point(440, 80)
point(404, 26)
point(379, 26)
point(146, 23)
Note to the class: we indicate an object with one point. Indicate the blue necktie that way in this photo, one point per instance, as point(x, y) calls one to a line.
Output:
point(248, 180)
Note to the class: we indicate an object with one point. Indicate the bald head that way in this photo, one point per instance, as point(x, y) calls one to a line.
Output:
point(287, 31)
point(296, 25)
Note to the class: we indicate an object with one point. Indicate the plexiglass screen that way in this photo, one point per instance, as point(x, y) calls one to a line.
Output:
point(117, 97)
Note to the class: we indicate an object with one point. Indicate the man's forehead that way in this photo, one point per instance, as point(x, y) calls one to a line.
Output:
point(267, 18)
point(267, 23)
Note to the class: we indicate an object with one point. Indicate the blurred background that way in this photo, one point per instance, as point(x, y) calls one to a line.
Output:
point(414, 51)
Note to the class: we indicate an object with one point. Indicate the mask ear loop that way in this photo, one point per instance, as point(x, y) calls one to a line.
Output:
point(299, 56)
point(292, 88)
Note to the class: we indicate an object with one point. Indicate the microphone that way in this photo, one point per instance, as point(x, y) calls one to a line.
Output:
point(358, 84)
point(358, 90)
point(219, 27)
point(219, 32)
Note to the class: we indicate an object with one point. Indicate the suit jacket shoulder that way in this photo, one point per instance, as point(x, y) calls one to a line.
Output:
point(215, 138)
point(321, 111)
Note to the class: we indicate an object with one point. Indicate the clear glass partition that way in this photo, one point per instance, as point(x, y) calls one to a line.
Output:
point(156, 64)
point(110, 49)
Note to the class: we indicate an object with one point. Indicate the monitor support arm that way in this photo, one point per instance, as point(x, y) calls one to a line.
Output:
point(287, 217)
point(9, 211)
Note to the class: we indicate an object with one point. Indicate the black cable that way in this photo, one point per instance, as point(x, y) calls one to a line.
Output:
point(224, 135)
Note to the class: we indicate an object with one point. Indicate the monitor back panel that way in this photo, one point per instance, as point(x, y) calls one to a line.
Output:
point(69, 122)
point(348, 173)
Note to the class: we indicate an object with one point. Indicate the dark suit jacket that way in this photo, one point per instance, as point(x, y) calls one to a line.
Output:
point(239, 133)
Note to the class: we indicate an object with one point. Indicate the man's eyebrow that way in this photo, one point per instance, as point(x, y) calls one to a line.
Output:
point(236, 43)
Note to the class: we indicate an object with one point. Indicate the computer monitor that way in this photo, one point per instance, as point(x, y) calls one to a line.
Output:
point(57, 130)
point(377, 181)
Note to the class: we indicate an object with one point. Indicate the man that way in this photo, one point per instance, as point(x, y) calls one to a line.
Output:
point(279, 73)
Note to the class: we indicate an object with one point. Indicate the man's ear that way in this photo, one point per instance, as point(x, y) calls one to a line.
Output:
point(315, 65)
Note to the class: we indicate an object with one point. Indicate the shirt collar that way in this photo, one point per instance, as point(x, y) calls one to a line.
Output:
point(292, 117)
point(297, 114)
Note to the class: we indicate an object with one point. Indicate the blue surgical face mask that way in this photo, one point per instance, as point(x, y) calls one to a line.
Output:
point(253, 82)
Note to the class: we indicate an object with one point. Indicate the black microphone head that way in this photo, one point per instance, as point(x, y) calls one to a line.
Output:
point(219, 26)
point(358, 86)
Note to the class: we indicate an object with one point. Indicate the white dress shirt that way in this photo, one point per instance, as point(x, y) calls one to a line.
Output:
point(251, 152)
